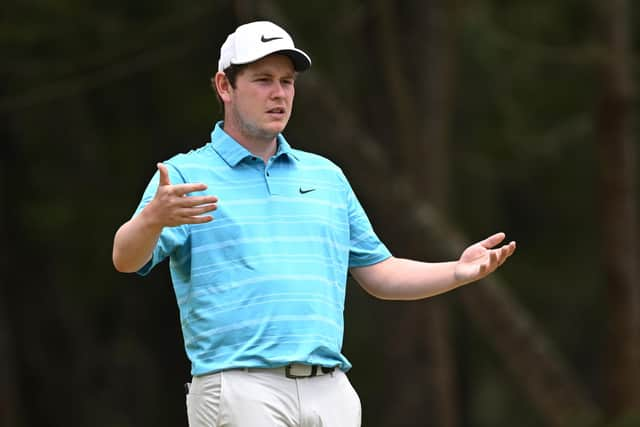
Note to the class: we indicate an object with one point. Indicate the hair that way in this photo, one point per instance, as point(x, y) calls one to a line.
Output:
point(231, 72)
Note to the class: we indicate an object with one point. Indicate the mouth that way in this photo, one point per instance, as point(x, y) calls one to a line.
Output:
point(277, 112)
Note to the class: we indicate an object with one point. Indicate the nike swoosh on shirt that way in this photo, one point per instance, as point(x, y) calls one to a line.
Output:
point(309, 190)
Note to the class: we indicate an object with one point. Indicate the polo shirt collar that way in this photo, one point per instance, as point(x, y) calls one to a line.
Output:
point(284, 148)
point(233, 153)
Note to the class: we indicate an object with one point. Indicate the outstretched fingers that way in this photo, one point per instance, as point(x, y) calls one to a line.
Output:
point(504, 252)
point(501, 253)
point(184, 189)
point(481, 259)
point(198, 209)
point(497, 256)
point(491, 264)
point(192, 209)
point(190, 213)
point(493, 240)
point(173, 205)
point(178, 189)
point(196, 219)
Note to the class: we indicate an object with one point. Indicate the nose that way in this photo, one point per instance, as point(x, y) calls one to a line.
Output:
point(278, 90)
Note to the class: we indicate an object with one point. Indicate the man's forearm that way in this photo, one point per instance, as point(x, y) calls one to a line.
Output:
point(404, 279)
point(396, 278)
point(134, 243)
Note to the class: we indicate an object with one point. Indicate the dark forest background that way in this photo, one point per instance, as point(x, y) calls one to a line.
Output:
point(452, 119)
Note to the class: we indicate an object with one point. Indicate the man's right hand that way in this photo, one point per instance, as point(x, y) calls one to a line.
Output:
point(136, 239)
point(171, 206)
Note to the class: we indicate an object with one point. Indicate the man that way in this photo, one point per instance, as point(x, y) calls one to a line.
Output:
point(261, 288)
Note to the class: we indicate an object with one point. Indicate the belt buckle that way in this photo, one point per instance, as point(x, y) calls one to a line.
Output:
point(309, 371)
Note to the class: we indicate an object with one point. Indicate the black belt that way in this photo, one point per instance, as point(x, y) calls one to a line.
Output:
point(295, 370)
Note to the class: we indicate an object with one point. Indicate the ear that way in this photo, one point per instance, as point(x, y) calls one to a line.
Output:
point(222, 86)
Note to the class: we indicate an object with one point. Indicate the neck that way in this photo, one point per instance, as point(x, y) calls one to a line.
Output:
point(263, 146)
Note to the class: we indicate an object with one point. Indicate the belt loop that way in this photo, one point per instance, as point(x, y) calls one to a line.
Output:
point(314, 370)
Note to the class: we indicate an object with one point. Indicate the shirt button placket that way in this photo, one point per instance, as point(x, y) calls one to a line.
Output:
point(267, 175)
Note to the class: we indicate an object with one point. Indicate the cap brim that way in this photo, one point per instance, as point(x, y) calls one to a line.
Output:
point(301, 62)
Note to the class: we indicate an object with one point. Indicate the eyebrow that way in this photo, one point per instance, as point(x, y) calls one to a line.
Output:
point(268, 73)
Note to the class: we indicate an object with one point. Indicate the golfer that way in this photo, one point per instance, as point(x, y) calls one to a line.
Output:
point(260, 238)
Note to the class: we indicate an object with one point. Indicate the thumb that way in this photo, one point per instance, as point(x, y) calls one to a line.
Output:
point(164, 174)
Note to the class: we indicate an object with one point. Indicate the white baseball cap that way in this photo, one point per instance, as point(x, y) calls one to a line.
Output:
point(256, 40)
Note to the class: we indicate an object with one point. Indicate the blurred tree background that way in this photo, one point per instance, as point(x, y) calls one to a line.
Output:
point(452, 119)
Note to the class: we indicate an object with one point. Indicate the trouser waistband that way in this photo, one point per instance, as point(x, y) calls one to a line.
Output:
point(296, 370)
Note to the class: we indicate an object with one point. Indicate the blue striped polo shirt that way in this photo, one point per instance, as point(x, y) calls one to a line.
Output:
point(263, 284)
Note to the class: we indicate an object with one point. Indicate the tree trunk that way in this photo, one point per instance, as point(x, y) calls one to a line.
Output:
point(619, 216)
point(438, 63)
point(9, 395)
point(401, 102)
point(441, 368)
point(421, 124)
point(436, 59)
point(9, 386)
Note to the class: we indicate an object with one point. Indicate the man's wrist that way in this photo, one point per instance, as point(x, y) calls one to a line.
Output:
point(149, 222)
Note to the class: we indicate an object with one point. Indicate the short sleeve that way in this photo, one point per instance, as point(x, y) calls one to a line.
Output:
point(365, 248)
point(172, 238)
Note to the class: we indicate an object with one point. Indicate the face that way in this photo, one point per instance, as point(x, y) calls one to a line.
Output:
point(260, 105)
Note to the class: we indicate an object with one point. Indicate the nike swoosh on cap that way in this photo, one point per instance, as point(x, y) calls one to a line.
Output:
point(264, 39)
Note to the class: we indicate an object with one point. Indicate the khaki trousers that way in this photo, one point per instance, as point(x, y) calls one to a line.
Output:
point(266, 398)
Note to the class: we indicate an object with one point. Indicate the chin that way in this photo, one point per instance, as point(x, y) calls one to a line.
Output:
point(275, 128)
